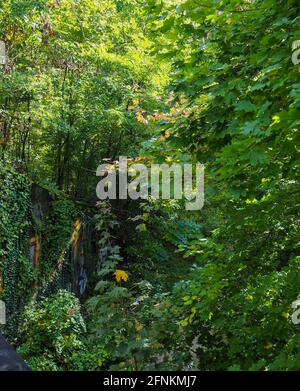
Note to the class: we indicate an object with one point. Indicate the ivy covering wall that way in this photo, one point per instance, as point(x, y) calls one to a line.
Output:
point(16, 272)
point(36, 244)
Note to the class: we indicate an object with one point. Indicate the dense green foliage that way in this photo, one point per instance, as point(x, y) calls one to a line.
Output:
point(160, 81)
point(16, 274)
point(73, 84)
point(237, 90)
point(52, 328)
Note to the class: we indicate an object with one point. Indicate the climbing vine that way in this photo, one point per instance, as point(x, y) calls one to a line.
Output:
point(16, 274)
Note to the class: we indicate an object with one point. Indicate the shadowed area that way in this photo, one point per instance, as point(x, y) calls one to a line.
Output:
point(9, 359)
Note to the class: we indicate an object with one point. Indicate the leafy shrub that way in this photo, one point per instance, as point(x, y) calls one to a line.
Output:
point(51, 332)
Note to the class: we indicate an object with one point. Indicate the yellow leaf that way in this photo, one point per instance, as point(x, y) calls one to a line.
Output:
point(121, 275)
